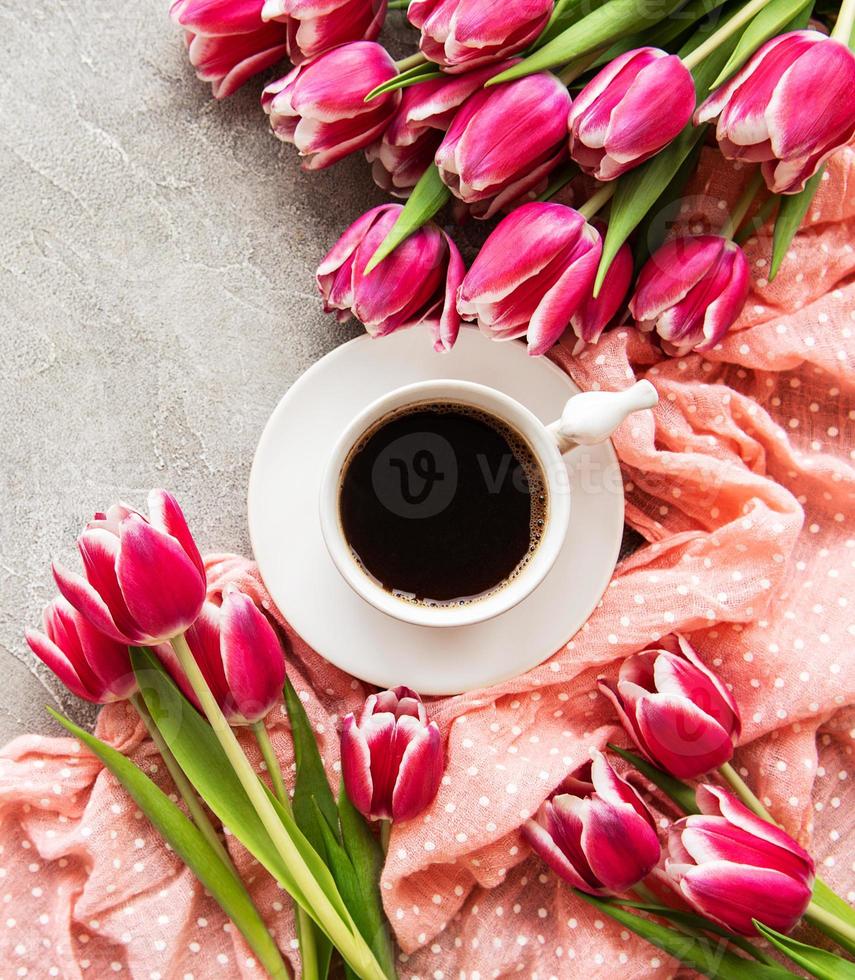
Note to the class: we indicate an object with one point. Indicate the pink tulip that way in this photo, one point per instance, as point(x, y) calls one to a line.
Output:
point(630, 110)
point(678, 713)
point(391, 759)
point(227, 41)
point(731, 866)
point(504, 142)
point(411, 139)
point(691, 291)
point(144, 578)
point(594, 314)
point(239, 655)
point(789, 108)
point(464, 34)
point(532, 275)
point(315, 26)
point(416, 284)
point(320, 106)
point(595, 832)
point(90, 664)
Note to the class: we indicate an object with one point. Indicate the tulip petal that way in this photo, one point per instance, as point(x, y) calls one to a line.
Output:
point(626, 716)
point(682, 739)
point(612, 788)
point(356, 766)
point(674, 675)
point(550, 853)
point(53, 657)
point(108, 660)
point(448, 326)
point(253, 661)
point(88, 603)
point(161, 586)
point(165, 513)
point(419, 774)
point(99, 550)
point(621, 846)
point(733, 895)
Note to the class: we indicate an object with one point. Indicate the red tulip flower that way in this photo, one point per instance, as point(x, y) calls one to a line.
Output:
point(679, 714)
point(314, 27)
point(240, 657)
point(594, 314)
point(227, 41)
point(416, 284)
point(691, 292)
point(465, 34)
point(391, 758)
point(595, 832)
point(788, 108)
point(320, 106)
point(144, 577)
point(504, 142)
point(630, 110)
point(733, 867)
point(532, 275)
point(90, 664)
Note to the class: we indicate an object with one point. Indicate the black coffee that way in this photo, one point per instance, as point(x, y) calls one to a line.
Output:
point(441, 503)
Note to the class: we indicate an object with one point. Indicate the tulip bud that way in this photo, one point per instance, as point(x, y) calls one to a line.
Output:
point(227, 41)
point(595, 313)
point(504, 142)
point(90, 664)
point(416, 284)
point(391, 759)
point(239, 655)
point(144, 577)
point(313, 28)
point(532, 275)
point(678, 713)
point(733, 867)
point(595, 832)
point(465, 34)
point(788, 108)
point(411, 139)
point(691, 291)
point(320, 106)
point(630, 110)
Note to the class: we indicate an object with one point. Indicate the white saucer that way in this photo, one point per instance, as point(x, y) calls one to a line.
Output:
point(286, 538)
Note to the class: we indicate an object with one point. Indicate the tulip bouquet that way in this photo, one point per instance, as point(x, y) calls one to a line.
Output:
point(203, 669)
point(506, 107)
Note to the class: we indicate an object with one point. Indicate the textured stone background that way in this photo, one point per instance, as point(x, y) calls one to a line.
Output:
point(156, 294)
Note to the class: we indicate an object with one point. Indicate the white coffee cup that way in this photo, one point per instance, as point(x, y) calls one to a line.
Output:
point(588, 418)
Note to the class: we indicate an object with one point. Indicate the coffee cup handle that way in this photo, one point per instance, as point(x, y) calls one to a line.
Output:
point(590, 417)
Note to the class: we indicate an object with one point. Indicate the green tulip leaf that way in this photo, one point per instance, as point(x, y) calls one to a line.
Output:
point(638, 190)
point(776, 17)
point(711, 959)
point(819, 963)
point(829, 900)
point(564, 14)
point(190, 845)
point(312, 795)
point(790, 216)
point(601, 27)
point(682, 794)
point(412, 76)
point(428, 196)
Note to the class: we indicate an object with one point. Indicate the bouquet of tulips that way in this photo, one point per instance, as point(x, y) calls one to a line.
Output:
point(507, 106)
point(140, 625)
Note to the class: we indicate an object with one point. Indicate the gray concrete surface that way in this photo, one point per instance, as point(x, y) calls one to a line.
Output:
point(156, 294)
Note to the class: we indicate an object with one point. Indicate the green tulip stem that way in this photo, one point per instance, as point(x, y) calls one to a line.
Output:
point(346, 939)
point(743, 791)
point(598, 199)
point(736, 23)
point(406, 63)
point(578, 66)
point(845, 23)
point(832, 925)
point(305, 930)
point(398, 4)
point(740, 209)
point(183, 785)
point(385, 834)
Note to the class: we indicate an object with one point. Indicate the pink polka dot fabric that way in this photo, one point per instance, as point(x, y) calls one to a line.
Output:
point(742, 484)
